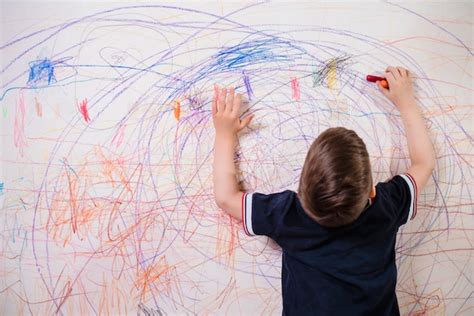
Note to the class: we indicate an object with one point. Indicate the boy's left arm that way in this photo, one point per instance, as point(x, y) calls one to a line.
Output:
point(226, 118)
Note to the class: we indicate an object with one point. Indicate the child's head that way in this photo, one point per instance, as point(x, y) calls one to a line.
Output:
point(336, 179)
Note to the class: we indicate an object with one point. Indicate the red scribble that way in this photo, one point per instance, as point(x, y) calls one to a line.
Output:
point(83, 110)
point(295, 89)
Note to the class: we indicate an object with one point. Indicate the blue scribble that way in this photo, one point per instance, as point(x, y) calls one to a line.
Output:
point(251, 53)
point(245, 56)
point(41, 71)
point(1, 188)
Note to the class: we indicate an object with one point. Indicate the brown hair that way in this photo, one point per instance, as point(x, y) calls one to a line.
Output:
point(336, 178)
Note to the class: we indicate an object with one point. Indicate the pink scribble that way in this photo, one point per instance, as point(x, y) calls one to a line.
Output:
point(83, 110)
point(295, 89)
point(118, 137)
point(19, 137)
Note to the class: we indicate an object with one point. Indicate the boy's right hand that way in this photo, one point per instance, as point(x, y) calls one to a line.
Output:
point(226, 112)
point(400, 90)
point(420, 149)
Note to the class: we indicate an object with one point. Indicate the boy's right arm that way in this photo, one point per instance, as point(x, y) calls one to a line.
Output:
point(421, 150)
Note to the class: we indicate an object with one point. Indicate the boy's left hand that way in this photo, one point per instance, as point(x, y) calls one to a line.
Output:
point(226, 112)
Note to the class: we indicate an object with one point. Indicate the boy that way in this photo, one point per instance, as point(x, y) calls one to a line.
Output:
point(338, 232)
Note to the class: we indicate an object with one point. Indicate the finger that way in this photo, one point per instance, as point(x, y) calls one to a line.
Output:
point(382, 89)
point(402, 71)
point(393, 71)
point(214, 99)
point(237, 103)
point(230, 100)
point(246, 121)
point(390, 78)
point(221, 101)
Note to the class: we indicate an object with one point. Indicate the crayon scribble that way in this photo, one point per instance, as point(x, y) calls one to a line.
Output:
point(38, 107)
point(117, 216)
point(41, 72)
point(83, 110)
point(329, 69)
point(19, 125)
point(177, 109)
point(295, 89)
point(248, 87)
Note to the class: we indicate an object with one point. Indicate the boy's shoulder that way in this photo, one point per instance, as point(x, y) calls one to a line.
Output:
point(281, 214)
point(398, 196)
point(281, 200)
point(275, 215)
point(262, 213)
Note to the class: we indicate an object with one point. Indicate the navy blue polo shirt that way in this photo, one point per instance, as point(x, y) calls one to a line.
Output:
point(335, 271)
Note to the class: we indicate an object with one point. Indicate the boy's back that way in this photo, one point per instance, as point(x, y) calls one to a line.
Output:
point(346, 270)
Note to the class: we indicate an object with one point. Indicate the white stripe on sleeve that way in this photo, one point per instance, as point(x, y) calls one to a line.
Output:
point(412, 187)
point(248, 213)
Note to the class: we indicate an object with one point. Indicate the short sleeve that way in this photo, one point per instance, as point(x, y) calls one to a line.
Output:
point(263, 214)
point(402, 194)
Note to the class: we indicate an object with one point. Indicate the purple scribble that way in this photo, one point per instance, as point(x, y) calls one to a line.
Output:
point(248, 87)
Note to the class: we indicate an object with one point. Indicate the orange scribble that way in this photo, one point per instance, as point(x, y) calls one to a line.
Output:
point(158, 275)
point(71, 212)
point(177, 110)
point(226, 239)
point(122, 202)
point(112, 299)
point(113, 169)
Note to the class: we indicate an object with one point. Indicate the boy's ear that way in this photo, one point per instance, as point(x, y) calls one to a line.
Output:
point(372, 192)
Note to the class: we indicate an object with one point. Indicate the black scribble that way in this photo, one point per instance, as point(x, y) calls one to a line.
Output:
point(149, 311)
